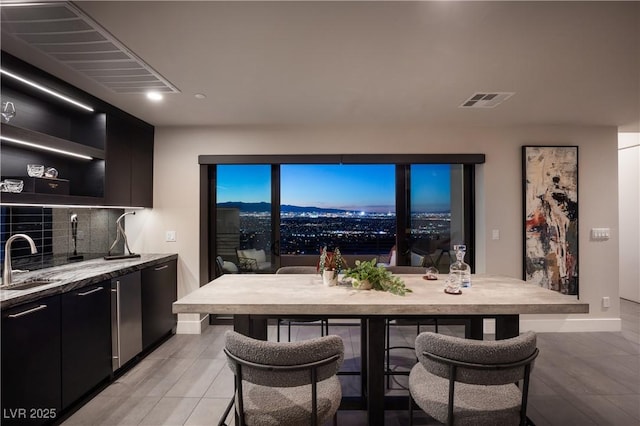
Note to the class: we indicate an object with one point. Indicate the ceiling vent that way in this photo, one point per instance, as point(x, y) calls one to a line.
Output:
point(486, 100)
point(64, 32)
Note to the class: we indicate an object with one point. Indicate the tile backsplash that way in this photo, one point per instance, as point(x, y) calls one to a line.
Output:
point(50, 228)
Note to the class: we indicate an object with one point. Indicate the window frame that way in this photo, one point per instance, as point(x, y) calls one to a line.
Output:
point(402, 164)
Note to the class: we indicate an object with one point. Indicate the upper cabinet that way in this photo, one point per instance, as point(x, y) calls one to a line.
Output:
point(103, 155)
point(129, 165)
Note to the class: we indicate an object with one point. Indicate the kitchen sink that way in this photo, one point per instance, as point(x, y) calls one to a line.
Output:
point(28, 284)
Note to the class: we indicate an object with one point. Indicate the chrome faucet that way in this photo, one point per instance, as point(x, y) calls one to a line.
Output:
point(6, 273)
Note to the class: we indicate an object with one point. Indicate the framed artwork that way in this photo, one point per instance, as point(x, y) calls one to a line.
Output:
point(550, 204)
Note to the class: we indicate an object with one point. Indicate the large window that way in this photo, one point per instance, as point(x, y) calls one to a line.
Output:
point(286, 208)
point(243, 216)
point(436, 213)
point(347, 206)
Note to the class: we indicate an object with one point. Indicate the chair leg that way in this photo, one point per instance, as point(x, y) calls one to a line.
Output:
point(289, 331)
point(410, 410)
point(335, 419)
point(278, 322)
point(223, 419)
point(387, 327)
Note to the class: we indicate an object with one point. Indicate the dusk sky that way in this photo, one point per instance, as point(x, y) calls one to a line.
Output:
point(368, 188)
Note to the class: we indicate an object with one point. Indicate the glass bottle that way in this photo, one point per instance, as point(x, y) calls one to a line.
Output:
point(459, 270)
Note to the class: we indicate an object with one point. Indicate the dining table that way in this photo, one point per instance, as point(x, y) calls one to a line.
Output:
point(254, 298)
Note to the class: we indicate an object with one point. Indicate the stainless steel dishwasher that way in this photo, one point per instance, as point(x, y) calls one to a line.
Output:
point(126, 318)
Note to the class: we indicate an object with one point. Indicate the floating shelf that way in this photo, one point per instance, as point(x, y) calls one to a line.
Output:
point(29, 198)
point(51, 141)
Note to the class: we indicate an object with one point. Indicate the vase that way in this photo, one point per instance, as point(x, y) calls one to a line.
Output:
point(329, 277)
point(362, 284)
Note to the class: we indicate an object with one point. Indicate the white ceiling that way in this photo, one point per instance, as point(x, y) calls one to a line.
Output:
point(374, 62)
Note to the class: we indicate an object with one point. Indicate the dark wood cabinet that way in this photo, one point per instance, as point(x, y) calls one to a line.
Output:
point(86, 340)
point(58, 350)
point(129, 162)
point(159, 291)
point(55, 132)
point(142, 166)
point(120, 171)
point(31, 374)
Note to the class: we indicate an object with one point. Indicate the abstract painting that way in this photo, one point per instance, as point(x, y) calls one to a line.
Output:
point(550, 180)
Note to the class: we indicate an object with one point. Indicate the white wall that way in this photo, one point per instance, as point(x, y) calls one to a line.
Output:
point(629, 180)
point(499, 204)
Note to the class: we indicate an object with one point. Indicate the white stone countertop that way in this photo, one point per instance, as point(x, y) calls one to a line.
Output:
point(76, 275)
point(291, 294)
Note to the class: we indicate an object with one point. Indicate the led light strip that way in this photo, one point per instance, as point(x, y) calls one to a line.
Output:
point(22, 4)
point(45, 148)
point(70, 206)
point(46, 90)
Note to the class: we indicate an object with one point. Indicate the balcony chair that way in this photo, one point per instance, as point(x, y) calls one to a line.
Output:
point(324, 322)
point(392, 258)
point(252, 260)
point(225, 267)
point(285, 383)
point(461, 381)
point(417, 260)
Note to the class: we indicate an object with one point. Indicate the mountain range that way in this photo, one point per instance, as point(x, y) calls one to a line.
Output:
point(264, 207)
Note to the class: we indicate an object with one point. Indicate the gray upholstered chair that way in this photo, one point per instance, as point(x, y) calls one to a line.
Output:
point(473, 382)
point(324, 322)
point(285, 383)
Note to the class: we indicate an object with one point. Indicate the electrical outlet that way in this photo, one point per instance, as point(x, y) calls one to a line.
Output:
point(170, 236)
point(495, 234)
point(606, 302)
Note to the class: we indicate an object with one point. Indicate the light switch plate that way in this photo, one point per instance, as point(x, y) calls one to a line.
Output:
point(600, 234)
point(170, 236)
point(495, 234)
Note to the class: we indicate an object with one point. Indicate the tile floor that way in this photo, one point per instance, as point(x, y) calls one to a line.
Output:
point(579, 379)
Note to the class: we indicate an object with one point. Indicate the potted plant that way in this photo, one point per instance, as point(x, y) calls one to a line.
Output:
point(366, 275)
point(330, 265)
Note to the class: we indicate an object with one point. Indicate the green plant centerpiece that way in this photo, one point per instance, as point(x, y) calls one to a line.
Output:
point(367, 275)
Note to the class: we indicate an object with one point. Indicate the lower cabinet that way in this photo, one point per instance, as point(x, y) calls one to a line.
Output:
point(86, 340)
point(31, 375)
point(57, 349)
point(159, 291)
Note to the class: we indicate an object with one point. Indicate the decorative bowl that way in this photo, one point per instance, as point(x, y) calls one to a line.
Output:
point(13, 185)
point(51, 173)
point(35, 170)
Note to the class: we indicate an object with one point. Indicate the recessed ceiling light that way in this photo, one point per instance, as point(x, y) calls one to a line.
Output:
point(200, 96)
point(154, 96)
